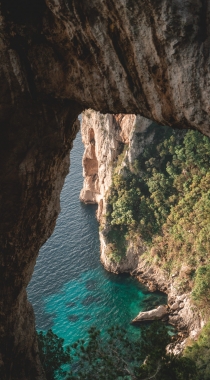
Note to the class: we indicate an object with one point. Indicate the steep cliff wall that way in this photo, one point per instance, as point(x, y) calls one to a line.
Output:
point(112, 142)
point(104, 137)
point(59, 57)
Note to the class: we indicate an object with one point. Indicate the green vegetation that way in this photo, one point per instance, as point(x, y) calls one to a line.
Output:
point(201, 289)
point(52, 354)
point(199, 352)
point(140, 197)
point(113, 356)
point(165, 199)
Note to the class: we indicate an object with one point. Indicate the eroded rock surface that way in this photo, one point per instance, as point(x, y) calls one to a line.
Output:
point(131, 56)
point(104, 137)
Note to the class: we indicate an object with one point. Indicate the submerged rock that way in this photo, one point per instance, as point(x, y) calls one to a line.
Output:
point(156, 314)
point(73, 318)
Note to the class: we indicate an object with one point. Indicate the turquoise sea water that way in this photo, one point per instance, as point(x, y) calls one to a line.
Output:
point(70, 290)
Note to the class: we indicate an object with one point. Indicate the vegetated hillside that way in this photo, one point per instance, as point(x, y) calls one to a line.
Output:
point(164, 198)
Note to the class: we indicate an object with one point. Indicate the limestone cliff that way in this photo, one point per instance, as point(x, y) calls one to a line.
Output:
point(104, 137)
point(136, 134)
point(59, 57)
point(139, 137)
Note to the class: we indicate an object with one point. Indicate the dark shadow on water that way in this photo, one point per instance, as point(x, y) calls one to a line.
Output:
point(91, 284)
point(87, 317)
point(90, 299)
point(152, 300)
point(73, 318)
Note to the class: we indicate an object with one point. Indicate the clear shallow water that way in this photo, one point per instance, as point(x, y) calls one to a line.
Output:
point(70, 290)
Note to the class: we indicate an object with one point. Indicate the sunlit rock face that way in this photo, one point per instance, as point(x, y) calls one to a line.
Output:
point(58, 57)
point(104, 137)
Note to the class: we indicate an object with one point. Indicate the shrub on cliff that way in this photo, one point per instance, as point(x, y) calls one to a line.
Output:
point(199, 352)
point(201, 289)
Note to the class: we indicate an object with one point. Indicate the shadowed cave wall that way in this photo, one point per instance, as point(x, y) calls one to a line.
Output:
point(59, 57)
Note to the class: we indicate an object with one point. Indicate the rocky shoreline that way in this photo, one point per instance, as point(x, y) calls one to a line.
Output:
point(181, 313)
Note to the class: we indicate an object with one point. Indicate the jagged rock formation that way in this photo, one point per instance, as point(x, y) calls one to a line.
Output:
point(59, 57)
point(104, 137)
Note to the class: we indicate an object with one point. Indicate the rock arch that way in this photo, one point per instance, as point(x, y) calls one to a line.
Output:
point(59, 57)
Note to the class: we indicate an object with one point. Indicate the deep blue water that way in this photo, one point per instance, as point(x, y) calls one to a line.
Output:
point(70, 290)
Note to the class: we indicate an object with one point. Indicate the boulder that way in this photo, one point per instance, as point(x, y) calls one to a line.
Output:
point(156, 314)
point(175, 306)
